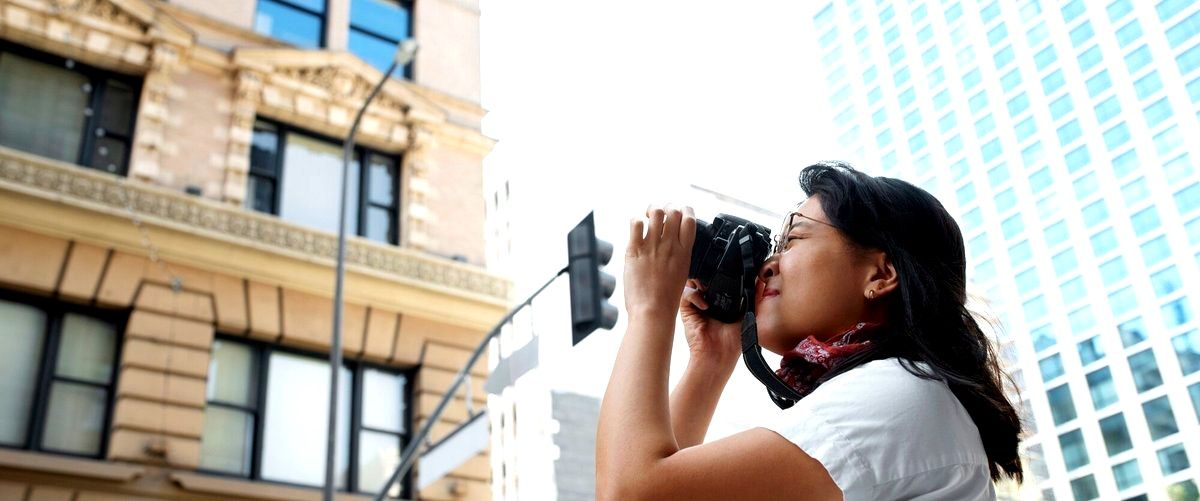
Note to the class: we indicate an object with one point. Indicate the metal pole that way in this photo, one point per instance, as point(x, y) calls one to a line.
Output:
point(409, 454)
point(404, 54)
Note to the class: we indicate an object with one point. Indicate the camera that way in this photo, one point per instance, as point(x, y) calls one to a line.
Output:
point(726, 257)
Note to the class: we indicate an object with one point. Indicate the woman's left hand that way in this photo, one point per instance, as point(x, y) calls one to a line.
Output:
point(657, 260)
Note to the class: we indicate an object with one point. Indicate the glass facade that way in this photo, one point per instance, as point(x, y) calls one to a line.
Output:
point(1056, 133)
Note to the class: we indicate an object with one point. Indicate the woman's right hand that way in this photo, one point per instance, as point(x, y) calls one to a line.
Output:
point(709, 340)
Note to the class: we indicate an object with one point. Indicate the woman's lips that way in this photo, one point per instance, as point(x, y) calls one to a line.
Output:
point(769, 293)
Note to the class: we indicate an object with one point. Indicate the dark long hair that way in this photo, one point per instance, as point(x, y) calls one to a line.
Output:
point(928, 320)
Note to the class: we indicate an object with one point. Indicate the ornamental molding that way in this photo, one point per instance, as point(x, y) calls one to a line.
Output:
point(102, 192)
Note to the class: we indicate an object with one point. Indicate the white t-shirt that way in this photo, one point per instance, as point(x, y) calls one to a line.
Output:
point(883, 433)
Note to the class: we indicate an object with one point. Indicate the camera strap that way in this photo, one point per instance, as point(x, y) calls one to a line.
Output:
point(782, 394)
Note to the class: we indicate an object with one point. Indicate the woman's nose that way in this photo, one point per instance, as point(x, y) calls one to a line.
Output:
point(768, 269)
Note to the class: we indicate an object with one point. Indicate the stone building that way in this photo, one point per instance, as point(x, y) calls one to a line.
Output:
point(169, 177)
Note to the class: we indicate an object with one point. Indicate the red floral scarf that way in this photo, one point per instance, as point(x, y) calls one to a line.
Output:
point(808, 361)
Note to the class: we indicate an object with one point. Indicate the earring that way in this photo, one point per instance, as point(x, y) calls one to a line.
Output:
point(871, 294)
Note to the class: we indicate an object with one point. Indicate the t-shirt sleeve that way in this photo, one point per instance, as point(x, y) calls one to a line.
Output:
point(811, 432)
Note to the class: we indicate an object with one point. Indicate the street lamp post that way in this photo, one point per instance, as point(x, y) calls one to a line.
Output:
point(404, 54)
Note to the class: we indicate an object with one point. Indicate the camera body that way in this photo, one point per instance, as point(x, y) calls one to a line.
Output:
point(726, 257)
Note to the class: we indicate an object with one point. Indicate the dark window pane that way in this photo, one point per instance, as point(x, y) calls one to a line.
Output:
point(24, 335)
point(1159, 418)
point(260, 194)
point(116, 113)
point(383, 180)
point(1084, 488)
point(385, 18)
point(1127, 474)
point(374, 50)
point(75, 418)
point(264, 149)
point(1116, 434)
point(1074, 451)
point(1173, 459)
point(227, 442)
point(288, 23)
point(380, 225)
point(1062, 407)
point(109, 155)
point(1145, 371)
point(1187, 348)
point(1132, 332)
point(1100, 384)
point(1051, 367)
point(42, 106)
point(1194, 391)
point(1091, 350)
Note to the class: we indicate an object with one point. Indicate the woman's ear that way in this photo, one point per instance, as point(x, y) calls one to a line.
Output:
point(882, 279)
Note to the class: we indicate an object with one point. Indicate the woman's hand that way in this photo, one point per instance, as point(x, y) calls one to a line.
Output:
point(657, 259)
point(709, 340)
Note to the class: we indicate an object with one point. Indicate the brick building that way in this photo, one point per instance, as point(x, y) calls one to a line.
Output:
point(168, 191)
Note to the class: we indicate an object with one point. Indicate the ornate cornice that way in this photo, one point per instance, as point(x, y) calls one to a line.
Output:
point(94, 190)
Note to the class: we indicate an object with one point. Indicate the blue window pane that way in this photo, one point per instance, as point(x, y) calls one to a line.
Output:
point(1122, 301)
point(1155, 251)
point(1051, 367)
point(1018, 104)
point(1040, 180)
point(1135, 191)
point(1176, 313)
point(1160, 418)
point(990, 12)
point(901, 76)
point(966, 194)
point(1045, 57)
point(1004, 57)
point(1116, 434)
point(972, 219)
point(1104, 242)
point(1074, 451)
point(1037, 34)
point(1092, 350)
point(1069, 132)
point(917, 142)
point(389, 18)
point(953, 13)
point(978, 102)
point(1174, 459)
point(1011, 80)
point(1057, 233)
point(1025, 128)
point(985, 272)
point(1166, 281)
point(1108, 109)
point(1064, 262)
point(936, 77)
point(824, 16)
point(1132, 332)
point(1194, 391)
point(919, 13)
point(1034, 309)
point(1138, 59)
point(1127, 474)
point(1129, 33)
point(1072, 10)
point(1061, 106)
point(1184, 30)
point(1178, 168)
point(891, 35)
point(985, 126)
point(954, 145)
point(1052, 82)
point(1027, 281)
point(991, 150)
point(1189, 60)
point(374, 50)
point(1116, 136)
point(1125, 163)
point(1192, 228)
point(1118, 9)
point(978, 245)
point(1086, 185)
point(1073, 291)
point(1188, 199)
point(1113, 271)
point(874, 95)
point(941, 99)
point(1168, 8)
point(1148, 85)
point(884, 138)
point(947, 122)
point(1099, 83)
point(1082, 33)
point(1187, 348)
point(997, 34)
point(1145, 220)
point(1005, 200)
point(1089, 58)
point(897, 55)
point(1145, 371)
point(1157, 112)
point(1078, 158)
point(912, 119)
point(1084, 488)
point(1095, 213)
point(288, 23)
point(1100, 385)
point(1062, 406)
point(1168, 140)
point(971, 79)
point(906, 98)
point(1043, 338)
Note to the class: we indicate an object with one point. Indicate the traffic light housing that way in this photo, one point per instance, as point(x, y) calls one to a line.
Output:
point(590, 286)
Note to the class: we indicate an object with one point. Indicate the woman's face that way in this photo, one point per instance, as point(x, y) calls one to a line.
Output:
point(814, 286)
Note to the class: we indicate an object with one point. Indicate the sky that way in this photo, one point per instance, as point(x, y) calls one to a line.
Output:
point(615, 106)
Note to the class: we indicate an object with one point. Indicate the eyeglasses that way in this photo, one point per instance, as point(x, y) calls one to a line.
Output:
point(788, 222)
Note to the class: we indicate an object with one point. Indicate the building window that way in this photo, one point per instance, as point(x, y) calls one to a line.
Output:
point(291, 175)
point(1061, 106)
point(1081, 320)
point(1100, 83)
point(59, 366)
point(1095, 213)
point(60, 109)
point(1184, 30)
point(1194, 391)
point(1108, 109)
point(1159, 418)
point(1116, 434)
point(1187, 348)
point(1127, 474)
point(1113, 271)
point(1173, 459)
point(1188, 199)
point(1122, 301)
point(1166, 281)
point(1145, 221)
point(1178, 168)
point(1118, 9)
point(1132, 332)
point(1062, 406)
point(1176, 313)
point(1135, 191)
point(258, 426)
point(377, 27)
point(1146, 86)
point(1138, 59)
point(298, 22)
point(1051, 367)
point(1074, 451)
point(1084, 488)
point(1116, 136)
point(1058, 233)
point(1089, 59)
point(1043, 338)
point(1082, 33)
point(1144, 367)
point(1091, 350)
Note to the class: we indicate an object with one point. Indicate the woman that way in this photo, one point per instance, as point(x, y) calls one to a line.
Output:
point(864, 298)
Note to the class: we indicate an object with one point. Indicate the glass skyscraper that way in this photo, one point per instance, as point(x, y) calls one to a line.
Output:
point(1056, 132)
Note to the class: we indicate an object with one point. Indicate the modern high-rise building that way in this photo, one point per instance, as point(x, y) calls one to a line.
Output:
point(170, 179)
point(1056, 132)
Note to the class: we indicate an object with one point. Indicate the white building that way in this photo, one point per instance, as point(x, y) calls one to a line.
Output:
point(1055, 132)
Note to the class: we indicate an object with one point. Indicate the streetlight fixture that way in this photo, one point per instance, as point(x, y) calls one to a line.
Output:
point(404, 55)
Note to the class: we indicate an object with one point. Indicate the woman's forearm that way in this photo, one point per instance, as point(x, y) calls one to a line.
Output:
point(694, 399)
point(635, 423)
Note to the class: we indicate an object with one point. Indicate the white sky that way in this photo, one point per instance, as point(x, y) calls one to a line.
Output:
point(611, 106)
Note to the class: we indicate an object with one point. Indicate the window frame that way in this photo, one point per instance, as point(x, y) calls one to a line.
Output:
point(98, 78)
point(407, 5)
point(362, 153)
point(55, 311)
point(262, 351)
point(322, 18)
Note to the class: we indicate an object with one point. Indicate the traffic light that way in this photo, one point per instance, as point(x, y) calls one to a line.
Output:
point(590, 287)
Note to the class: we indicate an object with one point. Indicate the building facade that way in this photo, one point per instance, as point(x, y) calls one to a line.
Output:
point(1056, 132)
point(169, 190)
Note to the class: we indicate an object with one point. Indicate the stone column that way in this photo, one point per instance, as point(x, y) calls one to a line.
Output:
point(416, 215)
point(154, 112)
point(247, 94)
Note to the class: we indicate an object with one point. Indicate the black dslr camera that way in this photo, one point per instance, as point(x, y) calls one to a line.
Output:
point(726, 257)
